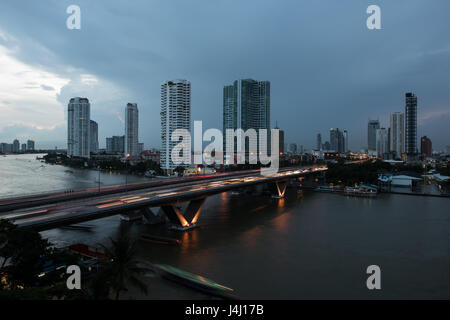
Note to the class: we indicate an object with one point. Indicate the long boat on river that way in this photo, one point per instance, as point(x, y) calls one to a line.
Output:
point(195, 281)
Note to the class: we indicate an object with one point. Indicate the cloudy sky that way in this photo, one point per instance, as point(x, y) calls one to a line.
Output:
point(326, 68)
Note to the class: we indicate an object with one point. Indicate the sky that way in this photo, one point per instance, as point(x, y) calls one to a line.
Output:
point(326, 68)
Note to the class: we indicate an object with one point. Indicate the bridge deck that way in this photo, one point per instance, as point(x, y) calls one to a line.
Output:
point(43, 218)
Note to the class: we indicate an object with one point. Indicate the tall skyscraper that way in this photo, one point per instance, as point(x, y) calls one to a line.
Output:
point(246, 105)
point(93, 127)
point(397, 137)
point(426, 147)
point(115, 145)
point(337, 140)
point(382, 142)
point(319, 142)
point(131, 130)
point(280, 140)
point(411, 125)
point(345, 141)
point(30, 145)
point(293, 148)
point(79, 116)
point(16, 146)
point(175, 114)
point(372, 128)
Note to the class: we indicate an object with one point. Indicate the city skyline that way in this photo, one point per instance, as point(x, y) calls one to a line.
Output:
point(315, 88)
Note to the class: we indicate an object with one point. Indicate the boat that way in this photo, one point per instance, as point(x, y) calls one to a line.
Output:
point(87, 251)
point(195, 281)
point(78, 227)
point(328, 189)
point(361, 191)
point(161, 240)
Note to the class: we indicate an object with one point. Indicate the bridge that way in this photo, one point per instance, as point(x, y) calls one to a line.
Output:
point(48, 211)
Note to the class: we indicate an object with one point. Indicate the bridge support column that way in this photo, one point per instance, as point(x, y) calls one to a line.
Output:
point(279, 189)
point(186, 220)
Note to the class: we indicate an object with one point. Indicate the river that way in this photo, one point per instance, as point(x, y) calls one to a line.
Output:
point(315, 246)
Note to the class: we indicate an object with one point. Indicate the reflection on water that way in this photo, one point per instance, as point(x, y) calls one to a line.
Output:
point(24, 174)
point(315, 246)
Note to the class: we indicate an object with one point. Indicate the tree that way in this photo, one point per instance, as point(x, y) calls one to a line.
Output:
point(123, 269)
point(179, 170)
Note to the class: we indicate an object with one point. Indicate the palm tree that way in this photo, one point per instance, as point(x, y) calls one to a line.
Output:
point(123, 269)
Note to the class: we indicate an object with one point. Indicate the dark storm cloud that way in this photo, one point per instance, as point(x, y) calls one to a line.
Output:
point(326, 68)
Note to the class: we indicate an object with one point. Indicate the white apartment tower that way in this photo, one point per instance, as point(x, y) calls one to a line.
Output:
point(175, 114)
point(131, 130)
point(382, 142)
point(78, 123)
point(397, 137)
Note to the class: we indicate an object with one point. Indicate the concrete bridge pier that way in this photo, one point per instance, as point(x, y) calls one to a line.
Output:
point(184, 220)
point(153, 215)
point(278, 189)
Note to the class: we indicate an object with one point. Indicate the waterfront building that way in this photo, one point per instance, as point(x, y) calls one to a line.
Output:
point(337, 140)
point(397, 134)
point(246, 105)
point(78, 136)
point(16, 146)
point(426, 147)
point(372, 128)
point(93, 127)
point(293, 148)
point(140, 147)
point(382, 143)
point(411, 125)
point(131, 130)
point(175, 114)
point(30, 145)
point(23, 148)
point(345, 141)
point(281, 140)
point(319, 142)
point(115, 145)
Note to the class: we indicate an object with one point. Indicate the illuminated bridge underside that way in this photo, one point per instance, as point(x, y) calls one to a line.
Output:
point(44, 218)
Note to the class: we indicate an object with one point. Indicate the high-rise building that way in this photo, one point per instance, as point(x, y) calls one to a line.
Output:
point(115, 145)
point(337, 140)
point(140, 147)
point(175, 114)
point(345, 136)
point(246, 105)
point(319, 142)
point(16, 146)
point(411, 125)
point(326, 146)
point(397, 136)
point(131, 130)
point(372, 128)
point(93, 127)
point(30, 145)
point(23, 147)
point(79, 116)
point(281, 140)
point(382, 142)
point(426, 149)
point(293, 148)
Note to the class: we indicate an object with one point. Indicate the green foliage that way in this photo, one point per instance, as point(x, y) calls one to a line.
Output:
point(123, 269)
